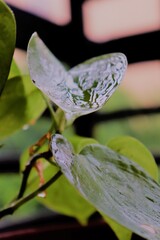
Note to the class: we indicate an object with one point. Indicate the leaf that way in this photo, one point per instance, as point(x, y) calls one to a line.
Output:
point(136, 151)
point(14, 70)
point(84, 88)
point(63, 198)
point(7, 42)
point(121, 232)
point(79, 142)
point(21, 103)
point(12, 183)
point(115, 185)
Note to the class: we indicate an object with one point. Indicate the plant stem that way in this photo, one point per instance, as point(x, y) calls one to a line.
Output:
point(15, 205)
point(52, 112)
point(28, 168)
point(59, 120)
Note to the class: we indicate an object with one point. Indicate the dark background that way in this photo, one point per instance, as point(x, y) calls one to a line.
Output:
point(69, 44)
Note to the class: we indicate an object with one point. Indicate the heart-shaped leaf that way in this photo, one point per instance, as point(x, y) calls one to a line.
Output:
point(7, 41)
point(84, 88)
point(116, 186)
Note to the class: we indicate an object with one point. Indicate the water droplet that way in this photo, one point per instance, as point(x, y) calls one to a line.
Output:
point(42, 194)
point(25, 127)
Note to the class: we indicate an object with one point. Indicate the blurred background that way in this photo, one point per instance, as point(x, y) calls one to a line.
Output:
point(76, 31)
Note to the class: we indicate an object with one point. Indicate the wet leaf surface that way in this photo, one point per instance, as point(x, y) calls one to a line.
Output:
point(81, 90)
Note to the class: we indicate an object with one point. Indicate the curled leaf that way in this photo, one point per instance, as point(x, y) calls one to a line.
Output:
point(81, 90)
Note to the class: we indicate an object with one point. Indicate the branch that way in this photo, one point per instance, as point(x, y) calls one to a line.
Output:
point(28, 168)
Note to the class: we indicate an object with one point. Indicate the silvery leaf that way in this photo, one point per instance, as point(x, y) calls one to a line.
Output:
point(115, 185)
point(84, 88)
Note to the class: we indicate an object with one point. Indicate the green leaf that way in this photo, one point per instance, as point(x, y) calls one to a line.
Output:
point(84, 88)
point(14, 70)
point(79, 142)
point(12, 183)
point(136, 151)
point(115, 185)
point(121, 232)
point(21, 103)
point(63, 198)
point(7, 42)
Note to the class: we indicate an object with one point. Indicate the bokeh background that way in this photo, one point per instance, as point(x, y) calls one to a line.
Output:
point(78, 30)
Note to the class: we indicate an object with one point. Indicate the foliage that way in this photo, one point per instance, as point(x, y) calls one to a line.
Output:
point(81, 175)
point(7, 42)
